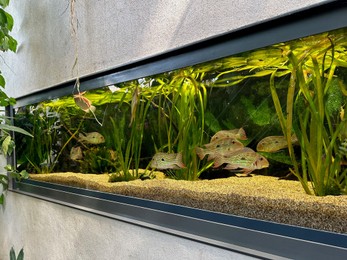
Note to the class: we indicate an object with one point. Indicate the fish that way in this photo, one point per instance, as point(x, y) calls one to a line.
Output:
point(163, 161)
point(246, 159)
point(220, 146)
point(239, 134)
point(76, 153)
point(91, 138)
point(271, 144)
point(84, 103)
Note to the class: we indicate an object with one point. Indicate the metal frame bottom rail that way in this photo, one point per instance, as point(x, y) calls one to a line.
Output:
point(250, 236)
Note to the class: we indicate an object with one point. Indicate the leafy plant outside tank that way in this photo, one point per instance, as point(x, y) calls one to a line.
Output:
point(7, 43)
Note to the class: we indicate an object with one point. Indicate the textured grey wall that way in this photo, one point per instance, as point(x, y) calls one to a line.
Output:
point(49, 231)
point(113, 32)
point(110, 33)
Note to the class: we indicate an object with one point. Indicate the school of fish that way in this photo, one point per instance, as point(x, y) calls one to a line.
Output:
point(224, 148)
point(228, 152)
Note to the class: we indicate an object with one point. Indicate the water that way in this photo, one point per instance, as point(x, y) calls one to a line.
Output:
point(294, 93)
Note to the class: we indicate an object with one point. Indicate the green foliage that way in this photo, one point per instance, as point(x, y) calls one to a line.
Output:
point(7, 42)
point(4, 184)
point(212, 122)
point(13, 254)
point(100, 160)
point(128, 138)
point(16, 175)
point(38, 154)
point(334, 99)
point(181, 112)
point(261, 115)
point(317, 103)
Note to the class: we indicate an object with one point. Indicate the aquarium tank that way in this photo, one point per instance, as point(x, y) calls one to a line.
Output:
point(277, 112)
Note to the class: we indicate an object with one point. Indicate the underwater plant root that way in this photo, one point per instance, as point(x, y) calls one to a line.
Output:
point(261, 197)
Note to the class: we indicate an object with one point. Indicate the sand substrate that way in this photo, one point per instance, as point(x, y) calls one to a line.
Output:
point(260, 197)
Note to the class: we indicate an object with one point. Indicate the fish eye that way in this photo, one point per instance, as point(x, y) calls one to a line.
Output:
point(217, 146)
point(162, 159)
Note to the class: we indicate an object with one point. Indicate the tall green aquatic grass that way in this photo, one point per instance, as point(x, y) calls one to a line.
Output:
point(129, 146)
point(182, 112)
point(320, 168)
point(37, 154)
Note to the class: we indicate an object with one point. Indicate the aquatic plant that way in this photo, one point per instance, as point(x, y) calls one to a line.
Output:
point(99, 160)
point(38, 154)
point(260, 115)
point(53, 130)
point(181, 111)
point(318, 137)
point(128, 146)
point(177, 111)
point(310, 64)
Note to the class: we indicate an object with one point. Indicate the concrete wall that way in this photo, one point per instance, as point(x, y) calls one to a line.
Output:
point(110, 33)
point(50, 231)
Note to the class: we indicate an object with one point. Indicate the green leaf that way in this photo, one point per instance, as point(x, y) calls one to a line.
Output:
point(5, 144)
point(3, 18)
point(8, 168)
point(9, 21)
point(4, 3)
point(2, 197)
point(24, 174)
point(12, 43)
point(21, 255)
point(12, 254)
point(2, 81)
point(4, 182)
point(15, 129)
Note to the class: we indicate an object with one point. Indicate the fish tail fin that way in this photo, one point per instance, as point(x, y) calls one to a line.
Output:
point(242, 134)
point(217, 162)
point(200, 152)
point(179, 162)
point(294, 139)
point(92, 108)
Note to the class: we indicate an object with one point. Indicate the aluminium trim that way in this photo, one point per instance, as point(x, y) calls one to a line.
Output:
point(321, 18)
point(249, 236)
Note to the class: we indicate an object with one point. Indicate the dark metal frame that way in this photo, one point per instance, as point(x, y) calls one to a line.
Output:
point(249, 236)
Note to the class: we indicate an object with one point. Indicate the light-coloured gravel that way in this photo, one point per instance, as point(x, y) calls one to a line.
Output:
point(260, 197)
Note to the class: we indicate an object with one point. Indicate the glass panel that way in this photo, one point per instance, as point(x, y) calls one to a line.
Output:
point(255, 134)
